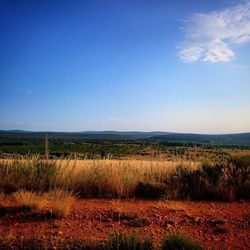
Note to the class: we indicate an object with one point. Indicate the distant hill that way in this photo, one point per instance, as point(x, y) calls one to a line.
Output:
point(227, 139)
point(241, 139)
point(112, 135)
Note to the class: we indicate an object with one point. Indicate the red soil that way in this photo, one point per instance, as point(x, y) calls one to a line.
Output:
point(95, 219)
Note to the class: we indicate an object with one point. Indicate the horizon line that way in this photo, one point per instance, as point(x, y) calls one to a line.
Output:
point(119, 131)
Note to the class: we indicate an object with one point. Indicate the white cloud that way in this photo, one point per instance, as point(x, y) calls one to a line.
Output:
point(210, 37)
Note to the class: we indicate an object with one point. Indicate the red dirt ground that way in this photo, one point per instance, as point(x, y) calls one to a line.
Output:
point(94, 219)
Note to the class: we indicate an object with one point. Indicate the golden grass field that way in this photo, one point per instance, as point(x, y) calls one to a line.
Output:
point(226, 180)
point(119, 177)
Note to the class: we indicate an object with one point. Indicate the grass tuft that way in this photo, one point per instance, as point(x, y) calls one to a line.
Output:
point(60, 202)
point(119, 241)
point(178, 241)
point(30, 200)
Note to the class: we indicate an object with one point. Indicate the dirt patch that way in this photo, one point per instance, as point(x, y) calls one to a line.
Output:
point(214, 225)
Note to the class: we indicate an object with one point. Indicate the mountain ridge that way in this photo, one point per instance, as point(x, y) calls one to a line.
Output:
point(156, 136)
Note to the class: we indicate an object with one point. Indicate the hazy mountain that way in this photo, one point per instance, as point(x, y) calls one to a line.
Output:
point(240, 138)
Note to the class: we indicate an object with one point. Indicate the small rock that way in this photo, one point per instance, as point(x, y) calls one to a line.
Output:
point(109, 225)
point(56, 225)
point(57, 233)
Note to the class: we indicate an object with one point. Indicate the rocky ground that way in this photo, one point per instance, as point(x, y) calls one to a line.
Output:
point(215, 225)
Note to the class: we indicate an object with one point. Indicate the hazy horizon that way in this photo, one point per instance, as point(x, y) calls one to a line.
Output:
point(125, 66)
point(119, 131)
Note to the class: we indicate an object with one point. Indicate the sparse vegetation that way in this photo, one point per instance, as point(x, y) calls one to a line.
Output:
point(60, 202)
point(116, 241)
point(120, 241)
point(30, 200)
point(179, 241)
point(54, 204)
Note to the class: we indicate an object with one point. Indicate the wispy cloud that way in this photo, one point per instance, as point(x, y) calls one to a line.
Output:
point(210, 37)
point(28, 92)
point(119, 119)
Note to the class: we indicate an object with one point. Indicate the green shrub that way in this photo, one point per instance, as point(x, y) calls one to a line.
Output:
point(179, 242)
point(119, 241)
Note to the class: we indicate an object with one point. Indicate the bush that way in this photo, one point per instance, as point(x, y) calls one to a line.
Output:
point(119, 241)
point(226, 181)
point(219, 181)
point(150, 190)
point(240, 176)
point(179, 242)
point(208, 184)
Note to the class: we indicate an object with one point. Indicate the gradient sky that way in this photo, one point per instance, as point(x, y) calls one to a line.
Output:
point(180, 66)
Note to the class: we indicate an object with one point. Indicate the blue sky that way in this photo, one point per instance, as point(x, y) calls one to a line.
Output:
point(179, 66)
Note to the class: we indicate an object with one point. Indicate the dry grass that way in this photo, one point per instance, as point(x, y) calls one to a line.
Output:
point(56, 202)
point(113, 178)
point(60, 202)
point(33, 174)
point(130, 178)
point(30, 200)
point(89, 178)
